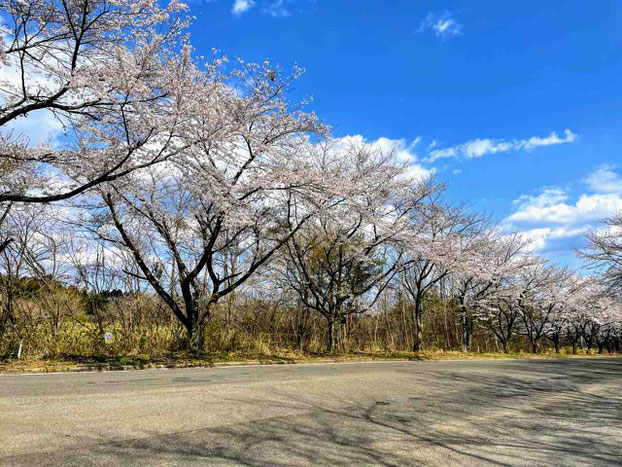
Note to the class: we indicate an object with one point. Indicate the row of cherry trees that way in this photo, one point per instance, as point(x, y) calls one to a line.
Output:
point(492, 279)
point(340, 263)
point(194, 181)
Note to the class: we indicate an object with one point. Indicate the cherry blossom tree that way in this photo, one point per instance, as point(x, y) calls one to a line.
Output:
point(249, 182)
point(340, 263)
point(112, 73)
point(568, 298)
point(436, 247)
point(607, 315)
point(492, 258)
point(598, 318)
point(604, 253)
point(541, 293)
point(499, 309)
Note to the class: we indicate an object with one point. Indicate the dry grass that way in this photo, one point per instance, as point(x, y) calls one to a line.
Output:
point(57, 334)
point(184, 360)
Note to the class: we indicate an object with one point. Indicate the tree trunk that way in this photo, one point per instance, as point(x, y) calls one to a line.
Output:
point(418, 341)
point(466, 330)
point(196, 337)
point(302, 317)
point(534, 346)
point(332, 334)
point(198, 314)
point(195, 326)
point(8, 315)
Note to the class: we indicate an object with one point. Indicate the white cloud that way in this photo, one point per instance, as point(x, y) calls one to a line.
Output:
point(551, 216)
point(404, 152)
point(556, 210)
point(604, 179)
point(482, 146)
point(274, 8)
point(418, 172)
point(447, 26)
point(38, 127)
point(443, 153)
point(535, 142)
point(549, 196)
point(242, 6)
point(537, 238)
point(444, 25)
point(541, 238)
point(277, 8)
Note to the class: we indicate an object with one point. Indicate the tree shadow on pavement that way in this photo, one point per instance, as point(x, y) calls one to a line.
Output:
point(539, 413)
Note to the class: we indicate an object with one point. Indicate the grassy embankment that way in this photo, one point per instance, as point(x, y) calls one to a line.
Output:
point(184, 360)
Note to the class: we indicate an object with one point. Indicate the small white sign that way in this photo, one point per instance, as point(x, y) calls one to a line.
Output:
point(108, 337)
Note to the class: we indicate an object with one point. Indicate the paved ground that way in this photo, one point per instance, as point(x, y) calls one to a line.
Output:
point(562, 412)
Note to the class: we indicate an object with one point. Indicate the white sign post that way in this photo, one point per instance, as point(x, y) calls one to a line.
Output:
point(108, 338)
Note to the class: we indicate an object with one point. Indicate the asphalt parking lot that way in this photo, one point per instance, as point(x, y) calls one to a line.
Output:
point(528, 412)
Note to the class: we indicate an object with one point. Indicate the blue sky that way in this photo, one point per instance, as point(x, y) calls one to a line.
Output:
point(516, 104)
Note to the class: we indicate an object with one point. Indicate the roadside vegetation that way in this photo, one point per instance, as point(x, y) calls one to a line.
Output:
point(63, 328)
